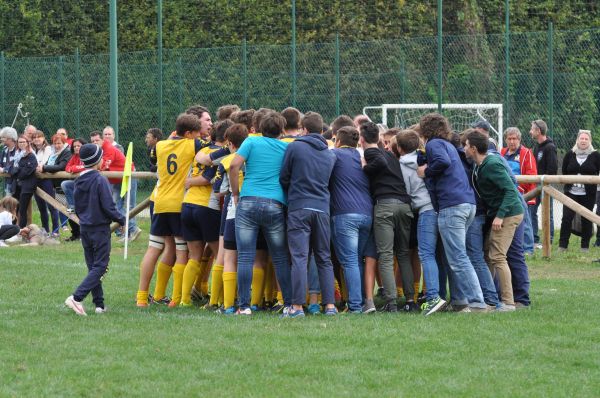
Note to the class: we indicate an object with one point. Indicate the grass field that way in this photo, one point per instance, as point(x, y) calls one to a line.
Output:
point(46, 350)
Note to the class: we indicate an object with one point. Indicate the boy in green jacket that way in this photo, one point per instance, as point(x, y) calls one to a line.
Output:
point(498, 193)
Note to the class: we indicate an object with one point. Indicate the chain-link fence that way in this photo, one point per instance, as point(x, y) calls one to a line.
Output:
point(553, 76)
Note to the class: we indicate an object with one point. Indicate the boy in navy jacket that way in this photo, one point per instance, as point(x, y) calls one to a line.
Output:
point(95, 208)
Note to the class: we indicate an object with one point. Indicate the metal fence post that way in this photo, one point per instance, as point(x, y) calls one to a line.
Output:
point(550, 79)
point(160, 64)
point(77, 92)
point(337, 74)
point(439, 56)
point(245, 71)
point(114, 78)
point(507, 63)
point(2, 99)
point(294, 82)
point(61, 90)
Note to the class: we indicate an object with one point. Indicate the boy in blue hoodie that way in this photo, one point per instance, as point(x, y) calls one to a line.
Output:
point(304, 176)
point(95, 208)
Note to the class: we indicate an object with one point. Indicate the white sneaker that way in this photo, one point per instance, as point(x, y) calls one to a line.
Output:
point(505, 308)
point(75, 306)
point(100, 310)
point(245, 311)
point(135, 234)
point(15, 239)
point(2, 244)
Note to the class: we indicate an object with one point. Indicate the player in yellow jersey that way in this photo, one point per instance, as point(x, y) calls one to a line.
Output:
point(174, 159)
point(201, 216)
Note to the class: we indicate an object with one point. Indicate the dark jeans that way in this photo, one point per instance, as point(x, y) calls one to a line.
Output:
point(309, 230)
point(96, 249)
point(8, 231)
point(44, 207)
point(518, 268)
point(391, 226)
point(24, 200)
point(586, 201)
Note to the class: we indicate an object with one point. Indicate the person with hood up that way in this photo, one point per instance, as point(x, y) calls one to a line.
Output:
point(95, 208)
point(304, 176)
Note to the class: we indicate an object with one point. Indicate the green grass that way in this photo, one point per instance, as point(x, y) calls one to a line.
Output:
point(46, 350)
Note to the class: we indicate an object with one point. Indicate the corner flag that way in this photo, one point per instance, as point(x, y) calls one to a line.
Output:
point(127, 170)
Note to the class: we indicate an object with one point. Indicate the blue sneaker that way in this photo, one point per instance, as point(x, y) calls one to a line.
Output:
point(255, 308)
point(331, 311)
point(314, 309)
point(289, 312)
point(226, 311)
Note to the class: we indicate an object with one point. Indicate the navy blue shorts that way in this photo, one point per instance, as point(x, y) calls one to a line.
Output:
point(166, 224)
point(200, 223)
point(229, 241)
point(370, 247)
point(224, 214)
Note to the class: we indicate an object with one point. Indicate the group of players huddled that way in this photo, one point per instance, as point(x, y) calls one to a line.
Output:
point(284, 213)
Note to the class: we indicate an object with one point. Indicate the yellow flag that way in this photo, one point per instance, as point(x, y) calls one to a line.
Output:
point(127, 170)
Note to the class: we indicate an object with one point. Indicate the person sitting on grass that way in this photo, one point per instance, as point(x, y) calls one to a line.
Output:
point(8, 217)
point(95, 208)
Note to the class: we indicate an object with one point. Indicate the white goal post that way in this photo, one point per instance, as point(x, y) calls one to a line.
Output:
point(460, 115)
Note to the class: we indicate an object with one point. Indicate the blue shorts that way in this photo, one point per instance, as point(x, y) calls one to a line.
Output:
point(166, 224)
point(370, 247)
point(229, 241)
point(200, 223)
point(224, 214)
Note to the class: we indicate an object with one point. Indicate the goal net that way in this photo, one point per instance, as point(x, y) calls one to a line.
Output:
point(461, 116)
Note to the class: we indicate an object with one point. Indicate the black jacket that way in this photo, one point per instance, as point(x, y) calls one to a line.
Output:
point(94, 203)
point(591, 167)
point(546, 158)
point(24, 172)
point(385, 175)
point(59, 165)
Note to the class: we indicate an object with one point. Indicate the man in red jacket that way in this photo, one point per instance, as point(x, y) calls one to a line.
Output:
point(114, 160)
point(522, 162)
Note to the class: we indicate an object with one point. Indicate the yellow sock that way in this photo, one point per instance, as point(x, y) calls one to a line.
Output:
point(203, 265)
point(258, 283)
point(163, 273)
point(229, 288)
point(192, 270)
point(142, 297)
point(417, 286)
point(279, 297)
point(268, 288)
point(178, 271)
point(216, 288)
point(400, 291)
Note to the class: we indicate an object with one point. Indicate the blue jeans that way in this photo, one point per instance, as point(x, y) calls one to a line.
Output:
point(453, 222)
point(256, 214)
point(475, 239)
point(314, 287)
point(120, 201)
point(427, 236)
point(528, 240)
point(68, 186)
point(351, 233)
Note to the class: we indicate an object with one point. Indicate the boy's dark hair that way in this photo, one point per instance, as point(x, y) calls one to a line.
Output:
point(257, 118)
point(479, 140)
point(244, 117)
point(370, 132)
point(327, 134)
point(82, 141)
point(95, 133)
point(348, 136)
point(434, 125)
point(408, 140)
point(540, 124)
point(197, 110)
point(292, 118)
point(272, 124)
point(392, 132)
point(217, 133)
point(341, 121)
point(455, 139)
point(236, 134)
point(156, 133)
point(225, 111)
point(186, 122)
point(313, 122)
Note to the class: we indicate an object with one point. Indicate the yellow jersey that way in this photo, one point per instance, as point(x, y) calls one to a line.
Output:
point(174, 157)
point(288, 138)
point(203, 195)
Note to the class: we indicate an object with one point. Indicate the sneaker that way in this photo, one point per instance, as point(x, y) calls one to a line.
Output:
point(197, 297)
point(256, 308)
point(421, 298)
point(2, 244)
point(210, 307)
point(368, 307)
point(244, 311)
point(163, 301)
point(72, 238)
point(277, 307)
point(389, 307)
point(100, 310)
point(185, 305)
point(173, 304)
point(135, 234)
point(464, 310)
point(70, 210)
point(331, 311)
point(434, 305)
point(410, 306)
point(539, 246)
point(505, 308)
point(15, 239)
point(521, 306)
point(314, 309)
point(290, 312)
point(226, 311)
point(480, 310)
point(76, 306)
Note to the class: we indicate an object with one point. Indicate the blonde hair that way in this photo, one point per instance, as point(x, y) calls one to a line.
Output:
point(589, 134)
point(9, 204)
